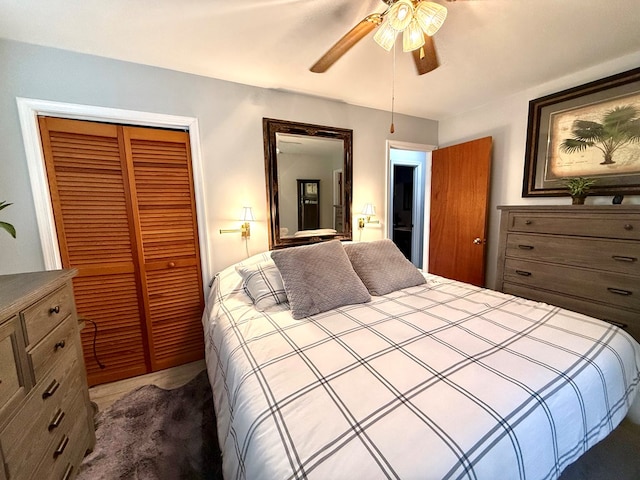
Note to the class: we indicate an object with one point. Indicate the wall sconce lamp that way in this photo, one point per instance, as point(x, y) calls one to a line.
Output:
point(369, 210)
point(245, 228)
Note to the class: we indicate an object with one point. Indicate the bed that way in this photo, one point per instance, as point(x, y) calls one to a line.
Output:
point(438, 379)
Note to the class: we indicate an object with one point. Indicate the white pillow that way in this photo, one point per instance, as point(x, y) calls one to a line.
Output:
point(263, 283)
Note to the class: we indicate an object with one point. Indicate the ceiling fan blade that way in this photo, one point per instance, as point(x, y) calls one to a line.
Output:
point(343, 45)
point(425, 57)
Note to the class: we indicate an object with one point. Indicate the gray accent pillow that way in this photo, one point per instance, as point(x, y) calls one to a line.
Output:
point(263, 284)
point(318, 278)
point(382, 266)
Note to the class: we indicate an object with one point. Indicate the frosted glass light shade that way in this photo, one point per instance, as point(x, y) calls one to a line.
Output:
point(400, 14)
point(385, 36)
point(413, 37)
point(430, 16)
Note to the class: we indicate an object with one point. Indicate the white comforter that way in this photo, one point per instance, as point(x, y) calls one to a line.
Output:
point(443, 380)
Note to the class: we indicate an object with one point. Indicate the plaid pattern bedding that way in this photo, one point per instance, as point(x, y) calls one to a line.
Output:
point(441, 380)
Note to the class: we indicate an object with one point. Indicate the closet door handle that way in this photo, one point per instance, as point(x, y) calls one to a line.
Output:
point(620, 258)
point(525, 247)
point(619, 291)
point(523, 273)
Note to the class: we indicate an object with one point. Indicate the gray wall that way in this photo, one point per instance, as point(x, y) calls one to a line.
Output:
point(230, 120)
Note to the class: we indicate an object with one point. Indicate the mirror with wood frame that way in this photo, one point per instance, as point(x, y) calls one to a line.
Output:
point(308, 171)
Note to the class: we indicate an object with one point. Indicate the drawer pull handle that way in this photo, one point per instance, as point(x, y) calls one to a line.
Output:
point(523, 273)
point(620, 258)
point(619, 291)
point(172, 264)
point(56, 420)
point(51, 389)
point(528, 222)
point(61, 446)
point(525, 247)
point(628, 226)
point(59, 345)
point(618, 324)
point(55, 309)
point(67, 472)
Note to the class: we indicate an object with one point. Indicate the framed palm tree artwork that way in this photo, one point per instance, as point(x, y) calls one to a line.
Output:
point(590, 131)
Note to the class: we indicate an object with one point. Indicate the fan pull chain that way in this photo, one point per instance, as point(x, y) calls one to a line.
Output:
point(393, 91)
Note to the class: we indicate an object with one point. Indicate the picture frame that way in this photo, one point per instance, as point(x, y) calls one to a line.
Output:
point(591, 131)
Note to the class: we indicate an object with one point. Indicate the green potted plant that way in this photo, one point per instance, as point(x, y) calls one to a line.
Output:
point(4, 225)
point(578, 189)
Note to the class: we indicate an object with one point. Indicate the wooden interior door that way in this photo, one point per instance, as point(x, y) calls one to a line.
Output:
point(93, 216)
point(460, 182)
point(165, 217)
point(124, 209)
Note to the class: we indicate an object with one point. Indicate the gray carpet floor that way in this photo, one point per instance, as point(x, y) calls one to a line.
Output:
point(156, 434)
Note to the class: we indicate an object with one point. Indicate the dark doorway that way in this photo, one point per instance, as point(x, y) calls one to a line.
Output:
point(403, 208)
point(308, 204)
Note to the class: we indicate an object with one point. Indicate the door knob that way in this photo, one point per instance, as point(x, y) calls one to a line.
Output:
point(477, 241)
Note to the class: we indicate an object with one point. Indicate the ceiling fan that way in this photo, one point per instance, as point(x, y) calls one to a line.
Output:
point(418, 20)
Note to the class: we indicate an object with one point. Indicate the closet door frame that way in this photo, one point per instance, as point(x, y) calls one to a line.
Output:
point(29, 110)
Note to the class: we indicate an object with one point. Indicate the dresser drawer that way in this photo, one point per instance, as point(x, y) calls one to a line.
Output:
point(46, 411)
point(11, 384)
point(611, 288)
point(68, 443)
point(42, 317)
point(52, 347)
point(628, 320)
point(611, 255)
point(62, 460)
point(576, 223)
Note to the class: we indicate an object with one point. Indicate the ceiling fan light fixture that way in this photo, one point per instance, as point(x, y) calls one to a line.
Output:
point(400, 14)
point(385, 36)
point(430, 16)
point(413, 37)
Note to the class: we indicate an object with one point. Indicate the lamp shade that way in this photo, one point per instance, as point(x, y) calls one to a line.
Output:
point(400, 14)
point(413, 37)
point(247, 214)
point(368, 209)
point(385, 36)
point(430, 16)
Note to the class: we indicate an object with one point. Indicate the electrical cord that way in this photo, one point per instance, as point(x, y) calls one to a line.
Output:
point(95, 336)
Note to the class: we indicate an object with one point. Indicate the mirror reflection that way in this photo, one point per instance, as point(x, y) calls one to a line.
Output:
point(310, 172)
point(308, 182)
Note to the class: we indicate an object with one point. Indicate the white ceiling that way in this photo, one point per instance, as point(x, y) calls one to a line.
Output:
point(487, 48)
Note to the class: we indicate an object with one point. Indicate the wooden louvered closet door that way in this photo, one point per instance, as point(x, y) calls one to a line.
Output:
point(124, 210)
point(165, 218)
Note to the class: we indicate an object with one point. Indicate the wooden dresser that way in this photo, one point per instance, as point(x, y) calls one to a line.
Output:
point(582, 258)
point(46, 419)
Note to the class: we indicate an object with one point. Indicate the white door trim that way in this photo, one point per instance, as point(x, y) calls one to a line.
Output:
point(29, 109)
point(424, 189)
